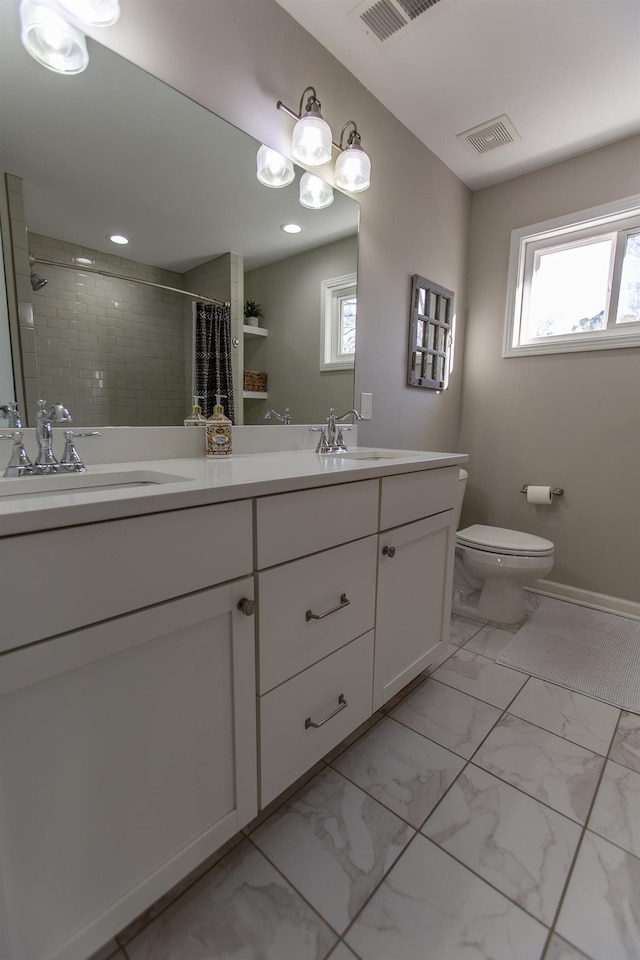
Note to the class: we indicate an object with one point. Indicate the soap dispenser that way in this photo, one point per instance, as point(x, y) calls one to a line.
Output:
point(218, 432)
point(195, 418)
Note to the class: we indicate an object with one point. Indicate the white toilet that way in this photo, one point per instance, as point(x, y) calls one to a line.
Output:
point(499, 562)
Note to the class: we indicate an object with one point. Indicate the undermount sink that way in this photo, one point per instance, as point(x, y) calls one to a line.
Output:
point(379, 455)
point(59, 484)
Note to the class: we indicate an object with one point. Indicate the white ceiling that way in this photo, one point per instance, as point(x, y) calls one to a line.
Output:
point(565, 72)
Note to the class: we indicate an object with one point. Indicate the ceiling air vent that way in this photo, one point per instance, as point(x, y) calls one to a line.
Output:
point(488, 136)
point(386, 19)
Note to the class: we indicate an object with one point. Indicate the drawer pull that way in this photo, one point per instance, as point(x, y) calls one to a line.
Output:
point(342, 703)
point(247, 606)
point(389, 551)
point(344, 602)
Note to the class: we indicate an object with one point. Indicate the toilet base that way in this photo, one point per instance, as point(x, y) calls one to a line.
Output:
point(502, 601)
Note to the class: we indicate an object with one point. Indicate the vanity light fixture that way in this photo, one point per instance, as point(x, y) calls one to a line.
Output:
point(314, 192)
point(311, 145)
point(274, 170)
point(291, 228)
point(51, 40)
point(117, 238)
point(52, 31)
point(311, 140)
point(353, 166)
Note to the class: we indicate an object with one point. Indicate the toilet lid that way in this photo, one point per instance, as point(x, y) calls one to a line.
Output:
point(501, 540)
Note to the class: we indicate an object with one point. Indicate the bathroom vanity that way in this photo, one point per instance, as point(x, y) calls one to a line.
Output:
point(175, 654)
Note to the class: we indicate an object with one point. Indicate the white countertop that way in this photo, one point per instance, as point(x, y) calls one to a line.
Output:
point(194, 482)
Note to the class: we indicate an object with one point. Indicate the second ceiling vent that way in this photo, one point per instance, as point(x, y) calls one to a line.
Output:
point(384, 20)
point(487, 136)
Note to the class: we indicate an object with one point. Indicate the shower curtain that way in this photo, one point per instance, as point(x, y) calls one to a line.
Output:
point(213, 357)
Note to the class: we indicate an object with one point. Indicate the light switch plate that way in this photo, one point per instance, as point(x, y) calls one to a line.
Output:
point(366, 405)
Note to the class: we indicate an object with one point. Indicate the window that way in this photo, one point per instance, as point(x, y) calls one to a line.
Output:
point(338, 340)
point(574, 283)
point(430, 335)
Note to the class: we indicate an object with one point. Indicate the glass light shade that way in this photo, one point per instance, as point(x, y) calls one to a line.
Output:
point(314, 192)
point(274, 170)
point(311, 141)
point(88, 13)
point(353, 170)
point(50, 40)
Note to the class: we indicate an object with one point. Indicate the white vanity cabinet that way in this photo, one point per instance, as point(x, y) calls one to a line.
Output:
point(135, 686)
point(127, 747)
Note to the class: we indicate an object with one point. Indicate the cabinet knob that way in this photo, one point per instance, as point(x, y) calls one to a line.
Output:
point(247, 606)
point(389, 551)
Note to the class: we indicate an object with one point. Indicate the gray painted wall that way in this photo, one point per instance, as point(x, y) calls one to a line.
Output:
point(238, 58)
point(290, 295)
point(566, 419)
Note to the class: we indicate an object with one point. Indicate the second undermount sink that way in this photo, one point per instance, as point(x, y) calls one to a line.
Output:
point(379, 454)
point(59, 484)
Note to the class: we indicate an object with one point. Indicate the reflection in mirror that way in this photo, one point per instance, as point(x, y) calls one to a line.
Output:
point(116, 150)
point(7, 391)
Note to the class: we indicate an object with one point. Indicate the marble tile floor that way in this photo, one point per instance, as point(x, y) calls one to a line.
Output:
point(482, 815)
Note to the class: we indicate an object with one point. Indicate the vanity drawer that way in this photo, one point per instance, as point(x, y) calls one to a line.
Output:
point(288, 744)
point(291, 525)
point(288, 641)
point(59, 580)
point(411, 496)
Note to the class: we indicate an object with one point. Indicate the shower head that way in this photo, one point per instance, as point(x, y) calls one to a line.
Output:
point(38, 282)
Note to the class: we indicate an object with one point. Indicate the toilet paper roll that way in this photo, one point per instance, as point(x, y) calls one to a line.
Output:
point(538, 494)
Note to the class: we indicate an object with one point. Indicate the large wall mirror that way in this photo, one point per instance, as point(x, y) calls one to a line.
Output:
point(114, 150)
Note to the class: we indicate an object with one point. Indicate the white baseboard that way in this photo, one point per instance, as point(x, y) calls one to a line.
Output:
point(587, 598)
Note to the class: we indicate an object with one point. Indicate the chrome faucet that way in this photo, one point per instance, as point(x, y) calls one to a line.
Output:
point(19, 463)
point(331, 439)
point(282, 417)
point(56, 413)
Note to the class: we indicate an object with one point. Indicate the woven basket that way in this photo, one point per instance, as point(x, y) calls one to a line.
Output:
point(255, 381)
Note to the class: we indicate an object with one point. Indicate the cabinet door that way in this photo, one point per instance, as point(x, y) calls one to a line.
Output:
point(127, 756)
point(415, 576)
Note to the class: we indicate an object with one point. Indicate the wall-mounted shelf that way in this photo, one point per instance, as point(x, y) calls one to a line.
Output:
point(254, 331)
point(254, 395)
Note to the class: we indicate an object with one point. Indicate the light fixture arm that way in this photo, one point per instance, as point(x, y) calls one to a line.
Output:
point(312, 107)
point(353, 140)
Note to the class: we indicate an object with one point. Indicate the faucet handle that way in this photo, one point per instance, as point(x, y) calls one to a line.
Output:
point(323, 446)
point(19, 463)
point(71, 459)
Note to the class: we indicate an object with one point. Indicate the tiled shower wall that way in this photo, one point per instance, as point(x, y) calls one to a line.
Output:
point(113, 351)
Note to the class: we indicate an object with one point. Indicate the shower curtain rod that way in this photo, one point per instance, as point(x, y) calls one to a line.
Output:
point(120, 276)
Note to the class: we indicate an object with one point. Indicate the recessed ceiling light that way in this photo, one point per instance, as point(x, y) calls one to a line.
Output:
point(291, 227)
point(85, 261)
point(117, 238)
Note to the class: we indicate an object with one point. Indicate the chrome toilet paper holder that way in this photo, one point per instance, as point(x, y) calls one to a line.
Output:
point(555, 491)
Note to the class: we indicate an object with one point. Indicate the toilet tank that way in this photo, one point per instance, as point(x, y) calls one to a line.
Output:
point(463, 477)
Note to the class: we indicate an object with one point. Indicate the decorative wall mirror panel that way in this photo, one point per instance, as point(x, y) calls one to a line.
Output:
point(429, 334)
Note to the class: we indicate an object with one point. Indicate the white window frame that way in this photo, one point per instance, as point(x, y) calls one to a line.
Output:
point(616, 220)
point(332, 293)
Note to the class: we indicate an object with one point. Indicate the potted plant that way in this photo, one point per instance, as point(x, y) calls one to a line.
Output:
point(252, 313)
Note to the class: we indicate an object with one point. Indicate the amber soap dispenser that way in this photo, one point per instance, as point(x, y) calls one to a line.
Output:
point(219, 438)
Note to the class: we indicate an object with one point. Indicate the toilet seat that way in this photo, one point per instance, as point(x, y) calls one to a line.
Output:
point(511, 543)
